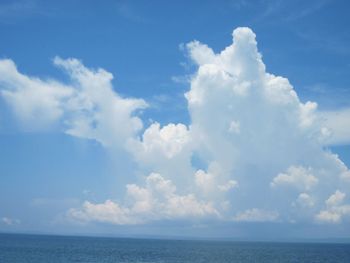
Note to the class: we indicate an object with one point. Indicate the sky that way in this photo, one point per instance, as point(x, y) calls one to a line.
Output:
point(202, 119)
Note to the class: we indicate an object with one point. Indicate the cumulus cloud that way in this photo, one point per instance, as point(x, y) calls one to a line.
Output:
point(305, 200)
point(251, 132)
point(296, 176)
point(335, 209)
point(166, 142)
point(253, 151)
point(335, 199)
point(158, 200)
point(255, 128)
point(338, 123)
point(210, 181)
point(165, 150)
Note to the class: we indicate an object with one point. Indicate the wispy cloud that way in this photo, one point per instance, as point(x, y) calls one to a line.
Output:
point(126, 10)
point(307, 10)
point(288, 11)
point(331, 43)
point(21, 9)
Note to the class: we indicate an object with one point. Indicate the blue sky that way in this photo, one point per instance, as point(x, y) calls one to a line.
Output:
point(72, 138)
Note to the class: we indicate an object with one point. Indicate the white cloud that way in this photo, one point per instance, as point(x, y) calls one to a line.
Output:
point(256, 215)
point(305, 200)
point(10, 221)
point(87, 107)
point(345, 175)
point(157, 142)
point(158, 200)
point(336, 210)
point(166, 150)
point(247, 127)
point(228, 186)
point(208, 182)
point(205, 181)
point(36, 102)
point(181, 79)
point(234, 127)
point(97, 111)
point(200, 53)
point(328, 216)
point(107, 212)
point(296, 176)
point(337, 122)
point(213, 181)
point(335, 199)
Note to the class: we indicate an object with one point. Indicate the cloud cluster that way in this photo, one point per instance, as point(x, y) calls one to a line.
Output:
point(261, 149)
point(158, 200)
point(335, 209)
point(253, 151)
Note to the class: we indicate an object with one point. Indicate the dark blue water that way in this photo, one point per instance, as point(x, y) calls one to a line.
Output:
point(32, 248)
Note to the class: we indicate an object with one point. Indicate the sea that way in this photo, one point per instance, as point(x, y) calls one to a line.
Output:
point(16, 248)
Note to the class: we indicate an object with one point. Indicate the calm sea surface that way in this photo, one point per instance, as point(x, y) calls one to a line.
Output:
point(32, 248)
